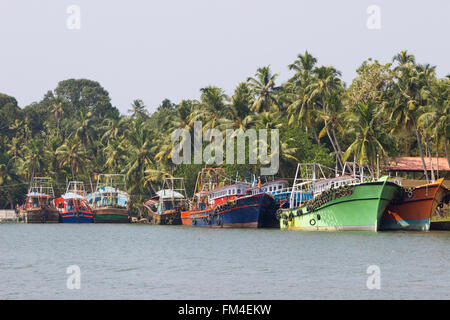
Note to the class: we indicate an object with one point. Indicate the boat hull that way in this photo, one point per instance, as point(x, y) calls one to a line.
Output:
point(257, 211)
point(42, 215)
point(415, 209)
point(359, 209)
point(186, 218)
point(77, 217)
point(170, 218)
point(111, 215)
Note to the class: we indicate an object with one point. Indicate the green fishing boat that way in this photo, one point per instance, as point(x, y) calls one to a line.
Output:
point(109, 202)
point(341, 203)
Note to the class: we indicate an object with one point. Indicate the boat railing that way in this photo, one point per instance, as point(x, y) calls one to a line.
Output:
point(280, 191)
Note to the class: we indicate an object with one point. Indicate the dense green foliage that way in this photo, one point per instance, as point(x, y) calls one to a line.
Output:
point(400, 108)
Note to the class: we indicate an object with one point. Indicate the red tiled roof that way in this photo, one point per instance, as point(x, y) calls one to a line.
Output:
point(415, 164)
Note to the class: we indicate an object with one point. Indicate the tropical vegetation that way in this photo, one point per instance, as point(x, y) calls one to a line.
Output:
point(399, 108)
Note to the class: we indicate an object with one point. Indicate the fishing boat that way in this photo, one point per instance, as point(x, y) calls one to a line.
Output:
point(166, 206)
point(224, 206)
point(73, 206)
point(340, 203)
point(415, 207)
point(281, 192)
point(109, 202)
point(40, 206)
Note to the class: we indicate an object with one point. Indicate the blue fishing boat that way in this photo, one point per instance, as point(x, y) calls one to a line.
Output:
point(230, 206)
point(73, 206)
point(281, 192)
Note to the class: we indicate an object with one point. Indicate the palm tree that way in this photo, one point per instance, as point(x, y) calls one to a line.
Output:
point(163, 149)
point(333, 120)
point(35, 159)
point(404, 59)
point(113, 128)
point(115, 154)
point(366, 145)
point(84, 129)
point(138, 143)
point(9, 177)
point(303, 66)
point(58, 112)
point(72, 155)
point(212, 107)
point(182, 118)
point(407, 97)
point(138, 109)
point(264, 89)
point(436, 116)
point(323, 92)
point(239, 114)
point(15, 149)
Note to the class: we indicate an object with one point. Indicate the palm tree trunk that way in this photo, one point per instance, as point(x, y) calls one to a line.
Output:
point(445, 147)
point(437, 161)
point(419, 144)
point(431, 160)
point(339, 149)
point(11, 201)
point(334, 146)
point(315, 136)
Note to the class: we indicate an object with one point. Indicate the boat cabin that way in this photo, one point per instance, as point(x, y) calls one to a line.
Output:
point(270, 187)
point(37, 200)
point(71, 202)
point(108, 197)
point(226, 193)
point(326, 184)
point(166, 200)
point(275, 187)
point(40, 193)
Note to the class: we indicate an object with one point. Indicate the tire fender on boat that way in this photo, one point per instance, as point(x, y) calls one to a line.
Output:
point(278, 215)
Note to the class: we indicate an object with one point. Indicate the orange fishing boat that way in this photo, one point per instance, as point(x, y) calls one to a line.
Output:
point(413, 211)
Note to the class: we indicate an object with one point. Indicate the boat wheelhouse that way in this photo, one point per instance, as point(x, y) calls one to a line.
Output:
point(279, 189)
point(166, 206)
point(227, 193)
point(73, 206)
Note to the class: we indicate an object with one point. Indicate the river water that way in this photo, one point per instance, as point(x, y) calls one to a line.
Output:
point(176, 262)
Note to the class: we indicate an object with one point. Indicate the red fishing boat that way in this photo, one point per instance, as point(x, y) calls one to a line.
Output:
point(73, 206)
point(40, 205)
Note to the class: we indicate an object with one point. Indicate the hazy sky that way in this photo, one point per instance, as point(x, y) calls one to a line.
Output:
point(153, 50)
